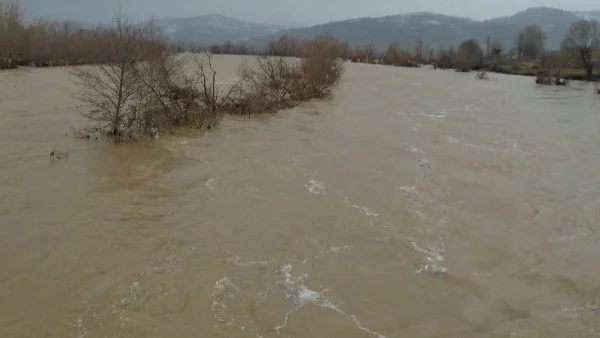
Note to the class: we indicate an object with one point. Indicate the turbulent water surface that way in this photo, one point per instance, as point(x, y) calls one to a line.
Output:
point(416, 203)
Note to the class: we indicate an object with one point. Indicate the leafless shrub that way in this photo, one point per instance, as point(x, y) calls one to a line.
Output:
point(268, 85)
point(108, 91)
point(11, 34)
point(481, 75)
point(166, 95)
point(395, 56)
point(321, 68)
point(215, 99)
point(468, 57)
point(141, 91)
point(582, 38)
point(275, 83)
point(552, 66)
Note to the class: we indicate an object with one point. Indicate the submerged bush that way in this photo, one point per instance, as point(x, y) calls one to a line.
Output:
point(144, 91)
point(275, 83)
point(468, 57)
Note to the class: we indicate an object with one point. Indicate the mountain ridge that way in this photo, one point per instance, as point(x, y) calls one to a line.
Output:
point(211, 29)
point(439, 30)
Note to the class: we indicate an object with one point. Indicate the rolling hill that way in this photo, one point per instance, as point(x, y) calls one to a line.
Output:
point(209, 29)
point(438, 30)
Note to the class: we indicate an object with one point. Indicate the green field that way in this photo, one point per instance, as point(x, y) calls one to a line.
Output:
point(530, 68)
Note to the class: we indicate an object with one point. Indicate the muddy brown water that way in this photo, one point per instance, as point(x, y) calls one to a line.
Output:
point(416, 203)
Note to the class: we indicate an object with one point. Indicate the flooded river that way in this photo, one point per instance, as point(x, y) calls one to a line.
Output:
point(416, 203)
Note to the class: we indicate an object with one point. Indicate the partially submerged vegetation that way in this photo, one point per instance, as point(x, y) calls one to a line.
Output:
point(137, 87)
point(577, 59)
point(141, 90)
point(140, 87)
point(468, 57)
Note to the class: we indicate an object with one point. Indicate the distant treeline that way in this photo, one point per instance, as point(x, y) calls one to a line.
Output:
point(407, 55)
point(579, 50)
point(47, 43)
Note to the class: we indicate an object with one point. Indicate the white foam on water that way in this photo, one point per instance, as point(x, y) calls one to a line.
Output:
point(412, 148)
point(579, 233)
point(414, 190)
point(452, 140)
point(119, 310)
point(416, 127)
point(237, 260)
point(416, 84)
point(376, 171)
point(80, 328)
point(434, 254)
point(323, 253)
point(433, 257)
point(408, 188)
point(162, 265)
point(210, 183)
point(316, 187)
point(300, 295)
point(295, 161)
point(480, 147)
point(442, 114)
point(365, 210)
point(575, 312)
point(223, 291)
point(253, 192)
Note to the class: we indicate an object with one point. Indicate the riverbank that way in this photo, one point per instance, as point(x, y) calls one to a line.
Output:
point(531, 68)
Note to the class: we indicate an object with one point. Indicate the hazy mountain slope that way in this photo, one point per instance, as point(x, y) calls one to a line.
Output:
point(209, 29)
point(439, 30)
point(435, 29)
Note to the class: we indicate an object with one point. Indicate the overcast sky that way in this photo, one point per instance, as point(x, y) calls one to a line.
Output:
point(274, 11)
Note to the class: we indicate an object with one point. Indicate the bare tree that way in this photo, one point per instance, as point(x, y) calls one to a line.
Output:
point(272, 84)
point(419, 50)
point(11, 34)
point(581, 39)
point(530, 42)
point(552, 66)
point(430, 55)
point(445, 57)
point(396, 57)
point(108, 91)
point(496, 47)
point(364, 54)
point(468, 57)
point(216, 99)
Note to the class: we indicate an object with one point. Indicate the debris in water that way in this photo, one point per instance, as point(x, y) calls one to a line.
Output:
point(424, 165)
point(315, 187)
point(58, 155)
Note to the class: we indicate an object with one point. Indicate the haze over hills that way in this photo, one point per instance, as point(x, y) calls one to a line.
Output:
point(209, 29)
point(439, 30)
point(436, 30)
